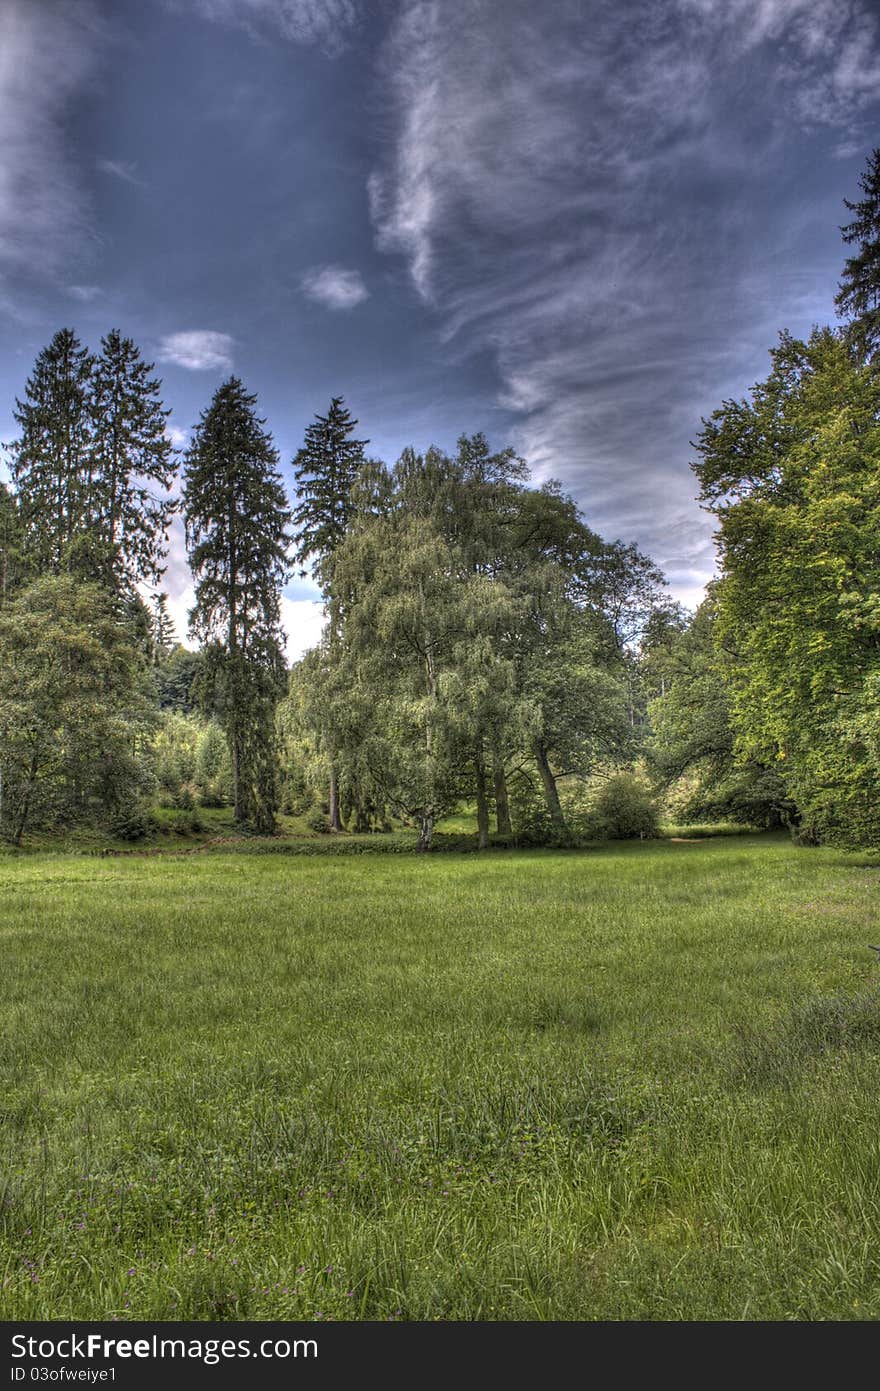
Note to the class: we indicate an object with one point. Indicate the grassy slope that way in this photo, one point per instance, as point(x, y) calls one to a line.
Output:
point(639, 1082)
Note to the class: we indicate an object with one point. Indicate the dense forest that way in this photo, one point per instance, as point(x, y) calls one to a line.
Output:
point(483, 646)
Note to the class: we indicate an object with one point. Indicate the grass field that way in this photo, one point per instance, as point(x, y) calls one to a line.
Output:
point(635, 1082)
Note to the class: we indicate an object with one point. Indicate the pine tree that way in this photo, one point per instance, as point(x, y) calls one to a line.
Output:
point(52, 460)
point(237, 516)
point(859, 290)
point(325, 470)
point(161, 629)
point(131, 459)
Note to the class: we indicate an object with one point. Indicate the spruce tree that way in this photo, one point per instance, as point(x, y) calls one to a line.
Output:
point(161, 630)
point(132, 468)
point(236, 516)
point(325, 469)
point(51, 461)
point(858, 297)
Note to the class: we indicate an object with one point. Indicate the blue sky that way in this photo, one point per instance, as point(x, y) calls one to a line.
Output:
point(577, 226)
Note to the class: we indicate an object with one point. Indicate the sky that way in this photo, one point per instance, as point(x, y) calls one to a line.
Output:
point(577, 226)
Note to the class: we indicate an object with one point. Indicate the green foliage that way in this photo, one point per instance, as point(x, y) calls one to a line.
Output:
point(236, 524)
point(472, 625)
point(792, 476)
point(13, 569)
point(50, 458)
point(75, 708)
point(858, 299)
point(92, 464)
point(691, 742)
point(177, 679)
point(325, 469)
point(626, 809)
point(192, 762)
point(132, 823)
point(131, 469)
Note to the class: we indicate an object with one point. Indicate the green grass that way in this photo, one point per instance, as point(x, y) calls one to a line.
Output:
point(635, 1082)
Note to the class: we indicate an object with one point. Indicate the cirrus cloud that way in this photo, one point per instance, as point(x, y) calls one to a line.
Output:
point(592, 194)
point(48, 52)
point(322, 22)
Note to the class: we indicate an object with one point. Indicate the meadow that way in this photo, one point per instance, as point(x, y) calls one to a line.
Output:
point(638, 1081)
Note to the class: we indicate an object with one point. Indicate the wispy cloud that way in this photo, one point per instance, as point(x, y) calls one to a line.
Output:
point(84, 293)
point(122, 169)
point(198, 350)
point(326, 23)
point(590, 192)
point(334, 287)
point(48, 51)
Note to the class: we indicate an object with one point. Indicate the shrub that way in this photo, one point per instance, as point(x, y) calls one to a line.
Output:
point(317, 822)
point(130, 823)
point(626, 809)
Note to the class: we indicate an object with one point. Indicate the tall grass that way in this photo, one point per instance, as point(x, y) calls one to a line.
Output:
point(636, 1082)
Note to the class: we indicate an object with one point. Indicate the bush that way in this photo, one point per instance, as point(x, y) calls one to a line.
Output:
point(130, 823)
point(317, 822)
point(626, 809)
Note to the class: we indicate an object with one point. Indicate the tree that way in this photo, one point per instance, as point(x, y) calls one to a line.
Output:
point(420, 664)
point(178, 678)
point(577, 699)
point(236, 516)
point(52, 460)
point(76, 708)
point(12, 569)
point(131, 468)
point(92, 466)
point(325, 469)
point(691, 746)
point(161, 630)
point(792, 477)
point(858, 295)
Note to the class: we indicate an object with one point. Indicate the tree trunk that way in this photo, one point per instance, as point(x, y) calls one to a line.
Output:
point(426, 830)
point(335, 814)
point(236, 778)
point(502, 802)
point(26, 803)
point(482, 798)
point(551, 793)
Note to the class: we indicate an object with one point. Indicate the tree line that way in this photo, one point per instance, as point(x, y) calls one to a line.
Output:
point(482, 646)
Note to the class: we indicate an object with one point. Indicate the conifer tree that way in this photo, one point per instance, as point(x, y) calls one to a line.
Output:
point(236, 516)
point(325, 470)
point(51, 460)
point(858, 297)
point(161, 629)
point(131, 468)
